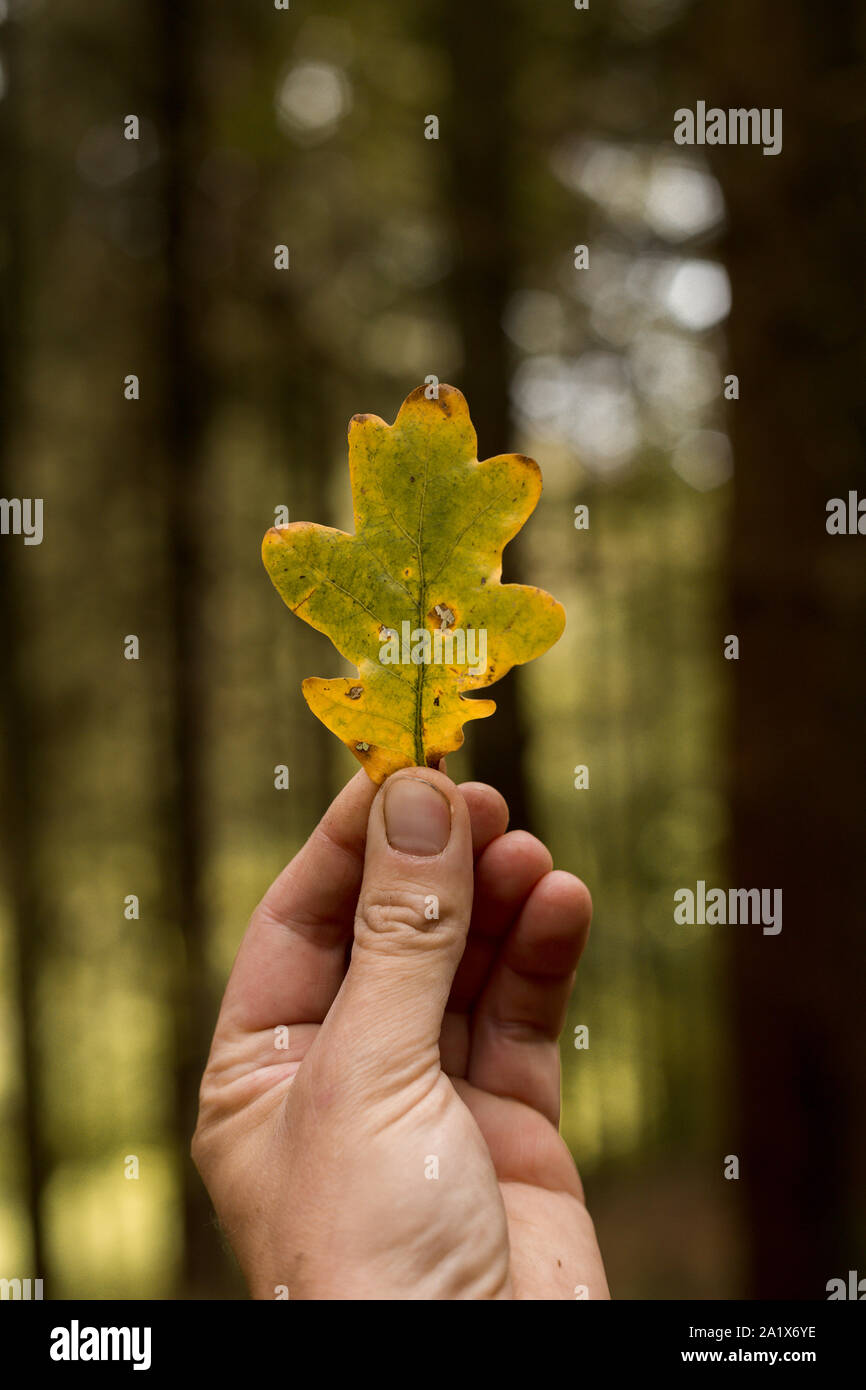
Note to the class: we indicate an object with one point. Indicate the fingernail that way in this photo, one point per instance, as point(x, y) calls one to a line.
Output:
point(417, 816)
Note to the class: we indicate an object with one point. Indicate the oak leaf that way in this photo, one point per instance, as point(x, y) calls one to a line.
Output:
point(413, 599)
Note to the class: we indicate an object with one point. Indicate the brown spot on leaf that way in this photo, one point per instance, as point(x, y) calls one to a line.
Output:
point(441, 615)
point(355, 692)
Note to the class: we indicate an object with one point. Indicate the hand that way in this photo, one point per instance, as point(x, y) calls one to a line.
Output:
point(387, 1128)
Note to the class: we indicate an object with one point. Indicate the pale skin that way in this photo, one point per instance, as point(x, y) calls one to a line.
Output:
point(404, 1144)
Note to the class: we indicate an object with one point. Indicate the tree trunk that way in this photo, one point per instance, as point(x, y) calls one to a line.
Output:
point(798, 605)
point(18, 714)
point(184, 391)
point(476, 138)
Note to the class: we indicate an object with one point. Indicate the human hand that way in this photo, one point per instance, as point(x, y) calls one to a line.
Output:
point(386, 1128)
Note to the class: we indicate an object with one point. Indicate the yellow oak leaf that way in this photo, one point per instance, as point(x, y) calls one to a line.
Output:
point(413, 599)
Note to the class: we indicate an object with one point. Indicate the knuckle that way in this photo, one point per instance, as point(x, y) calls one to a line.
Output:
point(198, 1148)
point(394, 915)
point(201, 1144)
point(395, 911)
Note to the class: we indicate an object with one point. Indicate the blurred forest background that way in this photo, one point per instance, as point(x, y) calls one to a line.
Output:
point(453, 257)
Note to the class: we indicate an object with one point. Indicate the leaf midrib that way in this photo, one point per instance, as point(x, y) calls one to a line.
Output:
point(420, 752)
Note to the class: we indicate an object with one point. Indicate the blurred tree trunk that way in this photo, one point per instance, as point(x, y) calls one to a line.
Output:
point(18, 715)
point(798, 605)
point(184, 390)
point(297, 398)
point(476, 137)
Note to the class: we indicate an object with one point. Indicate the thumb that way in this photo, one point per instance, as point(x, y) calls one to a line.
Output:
point(411, 923)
